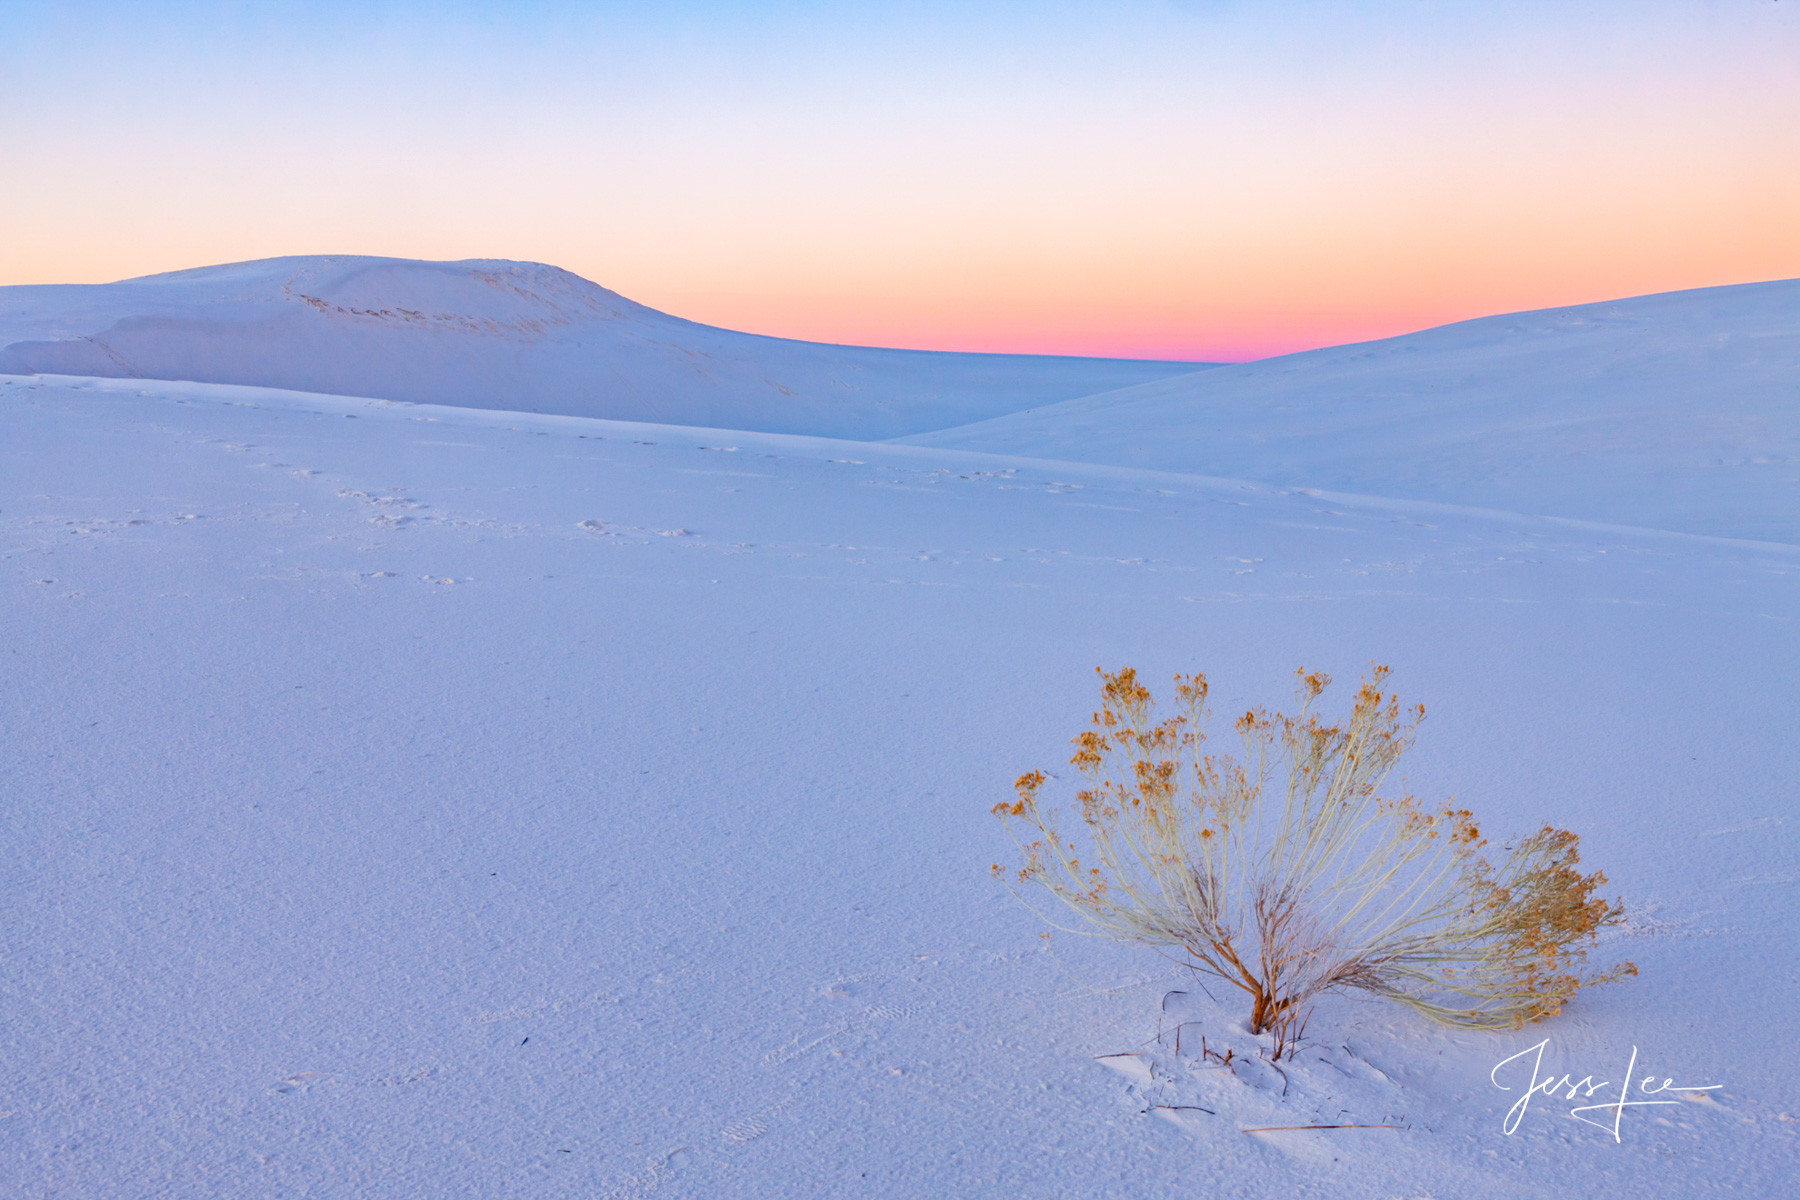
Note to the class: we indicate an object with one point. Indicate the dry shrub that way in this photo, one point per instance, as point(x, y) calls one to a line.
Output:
point(1282, 872)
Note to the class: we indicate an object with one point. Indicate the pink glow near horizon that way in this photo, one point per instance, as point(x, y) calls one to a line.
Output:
point(1219, 340)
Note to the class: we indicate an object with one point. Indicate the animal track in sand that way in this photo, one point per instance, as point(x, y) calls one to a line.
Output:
point(789, 1051)
point(747, 1130)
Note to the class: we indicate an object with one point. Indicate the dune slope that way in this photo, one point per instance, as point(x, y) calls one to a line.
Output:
point(1677, 411)
point(523, 336)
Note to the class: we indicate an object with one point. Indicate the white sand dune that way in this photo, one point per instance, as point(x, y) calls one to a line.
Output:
point(1679, 411)
point(496, 334)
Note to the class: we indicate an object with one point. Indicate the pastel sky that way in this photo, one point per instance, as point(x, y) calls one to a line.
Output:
point(1214, 179)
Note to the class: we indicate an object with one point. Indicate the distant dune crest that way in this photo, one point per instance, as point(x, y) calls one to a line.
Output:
point(524, 301)
point(497, 334)
point(1678, 411)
